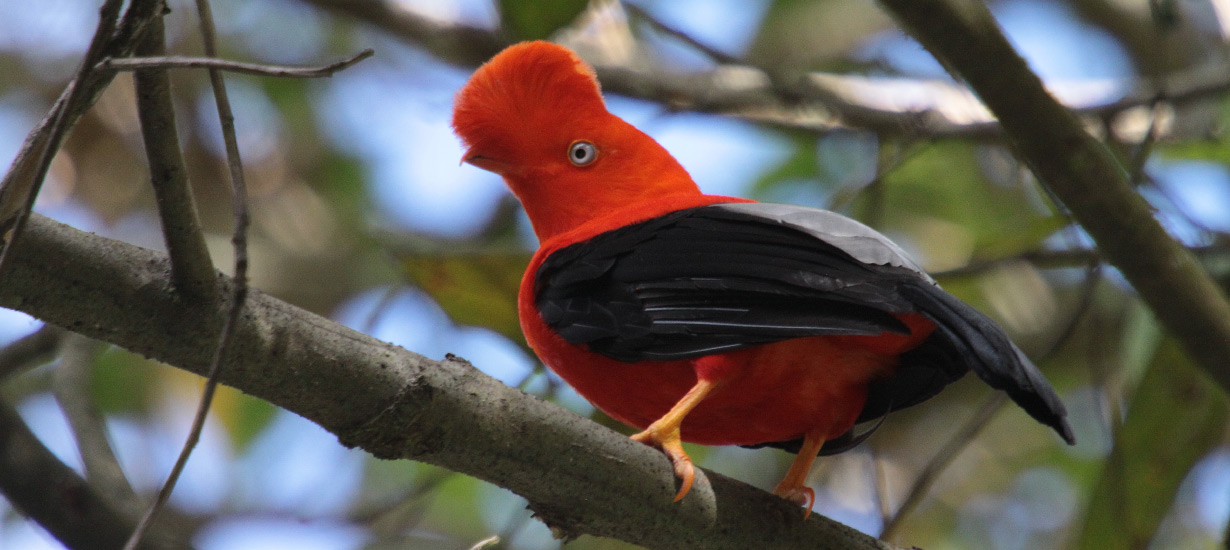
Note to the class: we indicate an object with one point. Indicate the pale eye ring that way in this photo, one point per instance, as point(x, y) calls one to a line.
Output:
point(582, 153)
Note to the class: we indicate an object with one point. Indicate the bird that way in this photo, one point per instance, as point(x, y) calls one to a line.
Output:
point(709, 319)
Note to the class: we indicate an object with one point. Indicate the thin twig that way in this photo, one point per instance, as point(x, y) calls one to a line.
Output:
point(489, 543)
point(18, 182)
point(380, 308)
point(1059, 259)
point(32, 350)
point(108, 16)
point(191, 268)
point(260, 69)
point(943, 458)
point(1141, 152)
point(239, 289)
point(881, 487)
point(72, 510)
point(922, 484)
point(713, 53)
point(71, 387)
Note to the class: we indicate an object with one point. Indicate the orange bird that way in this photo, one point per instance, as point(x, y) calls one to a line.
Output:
point(708, 319)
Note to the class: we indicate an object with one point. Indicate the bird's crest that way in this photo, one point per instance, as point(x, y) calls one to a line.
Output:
point(528, 88)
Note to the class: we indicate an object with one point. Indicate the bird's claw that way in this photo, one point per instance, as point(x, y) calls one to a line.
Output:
point(672, 445)
point(801, 495)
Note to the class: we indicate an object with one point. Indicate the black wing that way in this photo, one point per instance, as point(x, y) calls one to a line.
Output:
point(724, 277)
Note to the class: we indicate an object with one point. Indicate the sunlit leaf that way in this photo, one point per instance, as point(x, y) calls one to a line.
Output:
point(1177, 416)
point(473, 288)
point(243, 416)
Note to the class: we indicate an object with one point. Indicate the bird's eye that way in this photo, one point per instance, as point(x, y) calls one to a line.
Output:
point(582, 153)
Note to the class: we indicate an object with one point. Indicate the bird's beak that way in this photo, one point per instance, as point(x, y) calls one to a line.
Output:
point(486, 163)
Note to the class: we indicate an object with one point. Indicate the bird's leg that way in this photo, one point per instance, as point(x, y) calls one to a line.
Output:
point(664, 434)
point(792, 487)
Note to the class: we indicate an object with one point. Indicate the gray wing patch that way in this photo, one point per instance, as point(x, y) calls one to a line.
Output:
point(859, 241)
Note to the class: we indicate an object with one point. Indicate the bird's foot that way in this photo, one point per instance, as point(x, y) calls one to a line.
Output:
point(794, 487)
point(667, 439)
point(798, 494)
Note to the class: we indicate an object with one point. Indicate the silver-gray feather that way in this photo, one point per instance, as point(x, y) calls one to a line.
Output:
point(863, 243)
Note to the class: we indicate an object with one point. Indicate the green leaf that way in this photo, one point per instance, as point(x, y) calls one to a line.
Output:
point(474, 288)
point(1214, 149)
point(538, 19)
point(243, 416)
point(946, 180)
point(1176, 417)
point(802, 164)
point(123, 382)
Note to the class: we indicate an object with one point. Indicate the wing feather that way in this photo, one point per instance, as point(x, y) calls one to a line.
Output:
point(723, 277)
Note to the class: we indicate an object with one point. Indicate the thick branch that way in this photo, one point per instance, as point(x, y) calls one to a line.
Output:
point(42, 487)
point(1080, 171)
point(578, 476)
point(191, 267)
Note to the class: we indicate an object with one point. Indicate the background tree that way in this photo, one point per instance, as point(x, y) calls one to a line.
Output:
point(360, 215)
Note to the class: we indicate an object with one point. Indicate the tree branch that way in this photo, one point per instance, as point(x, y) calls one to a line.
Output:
point(32, 350)
point(1080, 171)
point(71, 387)
point(191, 267)
point(40, 486)
point(889, 106)
point(239, 286)
point(158, 61)
point(19, 181)
point(579, 477)
point(17, 202)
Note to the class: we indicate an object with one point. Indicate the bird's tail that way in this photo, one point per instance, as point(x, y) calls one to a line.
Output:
point(990, 354)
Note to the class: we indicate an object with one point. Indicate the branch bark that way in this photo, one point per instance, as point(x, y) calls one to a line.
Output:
point(191, 267)
point(579, 477)
point(73, 511)
point(1080, 171)
point(30, 351)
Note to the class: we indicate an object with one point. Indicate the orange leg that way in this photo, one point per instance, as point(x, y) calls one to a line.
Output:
point(792, 488)
point(664, 434)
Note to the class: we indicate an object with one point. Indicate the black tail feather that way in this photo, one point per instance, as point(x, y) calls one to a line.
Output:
point(991, 355)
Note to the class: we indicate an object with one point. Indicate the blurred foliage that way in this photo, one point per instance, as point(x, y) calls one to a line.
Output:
point(325, 238)
point(474, 288)
point(1158, 443)
point(538, 19)
point(1213, 148)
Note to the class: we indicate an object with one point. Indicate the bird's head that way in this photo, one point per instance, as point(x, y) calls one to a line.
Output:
point(534, 114)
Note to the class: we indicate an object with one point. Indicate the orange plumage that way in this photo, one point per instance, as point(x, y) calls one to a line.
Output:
point(710, 319)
